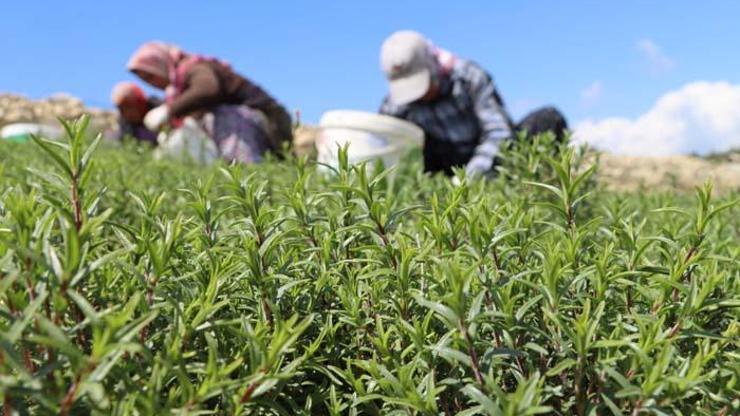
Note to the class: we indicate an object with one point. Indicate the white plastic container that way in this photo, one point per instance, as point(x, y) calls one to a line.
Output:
point(21, 132)
point(369, 136)
point(188, 142)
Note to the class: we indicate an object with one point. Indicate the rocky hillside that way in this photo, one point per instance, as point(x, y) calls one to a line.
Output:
point(20, 109)
point(629, 173)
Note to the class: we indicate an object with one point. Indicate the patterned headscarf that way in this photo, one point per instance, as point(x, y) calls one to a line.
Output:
point(166, 61)
point(156, 58)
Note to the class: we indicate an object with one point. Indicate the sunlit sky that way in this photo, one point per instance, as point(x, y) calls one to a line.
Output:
point(598, 61)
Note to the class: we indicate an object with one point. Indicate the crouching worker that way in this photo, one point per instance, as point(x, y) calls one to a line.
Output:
point(239, 116)
point(133, 105)
point(455, 102)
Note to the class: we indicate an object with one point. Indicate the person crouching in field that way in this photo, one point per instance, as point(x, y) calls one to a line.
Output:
point(455, 102)
point(133, 105)
point(241, 118)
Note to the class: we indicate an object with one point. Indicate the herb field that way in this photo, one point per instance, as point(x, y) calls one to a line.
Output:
point(135, 286)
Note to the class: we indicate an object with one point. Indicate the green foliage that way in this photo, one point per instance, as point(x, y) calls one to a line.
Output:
point(134, 286)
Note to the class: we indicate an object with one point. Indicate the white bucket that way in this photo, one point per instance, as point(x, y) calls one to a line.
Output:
point(189, 142)
point(22, 132)
point(368, 137)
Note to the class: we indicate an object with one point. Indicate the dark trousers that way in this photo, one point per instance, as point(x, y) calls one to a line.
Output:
point(442, 156)
point(543, 120)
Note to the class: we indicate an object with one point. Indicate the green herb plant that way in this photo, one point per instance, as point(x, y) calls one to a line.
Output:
point(130, 285)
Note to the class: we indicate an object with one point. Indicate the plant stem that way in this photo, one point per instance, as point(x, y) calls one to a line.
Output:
point(76, 204)
point(473, 355)
point(69, 398)
point(496, 260)
point(578, 388)
point(247, 395)
point(7, 405)
point(267, 310)
point(7, 400)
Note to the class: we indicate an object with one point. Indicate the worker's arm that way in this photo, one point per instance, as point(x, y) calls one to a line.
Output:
point(495, 123)
point(389, 109)
point(202, 90)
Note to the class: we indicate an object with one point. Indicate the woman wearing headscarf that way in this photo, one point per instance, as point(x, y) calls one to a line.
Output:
point(246, 121)
point(133, 105)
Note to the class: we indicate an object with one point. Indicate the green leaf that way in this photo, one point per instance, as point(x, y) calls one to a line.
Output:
point(561, 366)
point(45, 146)
point(444, 312)
point(13, 334)
point(453, 355)
point(486, 403)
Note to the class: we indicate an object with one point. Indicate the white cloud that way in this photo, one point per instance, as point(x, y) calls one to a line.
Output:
point(700, 117)
point(657, 61)
point(592, 94)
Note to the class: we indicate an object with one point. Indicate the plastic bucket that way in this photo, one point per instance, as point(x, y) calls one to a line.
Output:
point(21, 132)
point(368, 137)
point(186, 143)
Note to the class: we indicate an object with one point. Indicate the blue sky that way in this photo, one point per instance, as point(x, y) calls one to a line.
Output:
point(592, 59)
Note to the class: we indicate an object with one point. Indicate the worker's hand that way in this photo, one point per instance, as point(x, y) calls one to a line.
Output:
point(156, 117)
point(478, 165)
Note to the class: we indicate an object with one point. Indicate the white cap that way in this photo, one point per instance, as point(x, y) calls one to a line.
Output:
point(407, 62)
